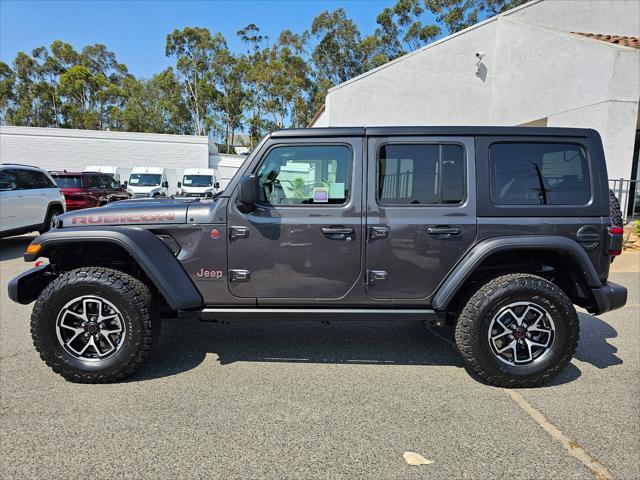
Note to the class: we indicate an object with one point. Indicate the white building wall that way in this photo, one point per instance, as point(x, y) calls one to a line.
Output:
point(529, 72)
point(225, 166)
point(73, 150)
point(613, 17)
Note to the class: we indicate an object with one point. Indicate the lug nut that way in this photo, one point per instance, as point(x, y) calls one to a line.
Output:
point(84, 324)
point(86, 334)
point(528, 335)
point(524, 325)
point(511, 337)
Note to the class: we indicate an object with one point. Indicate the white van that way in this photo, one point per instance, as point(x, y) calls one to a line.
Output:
point(108, 169)
point(148, 182)
point(198, 182)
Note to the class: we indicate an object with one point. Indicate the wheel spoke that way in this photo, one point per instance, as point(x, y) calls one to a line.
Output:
point(94, 312)
point(519, 321)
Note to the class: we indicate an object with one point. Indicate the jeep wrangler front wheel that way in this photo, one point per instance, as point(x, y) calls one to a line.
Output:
point(94, 325)
point(518, 330)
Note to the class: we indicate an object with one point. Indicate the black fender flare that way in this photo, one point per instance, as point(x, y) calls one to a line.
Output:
point(474, 257)
point(151, 254)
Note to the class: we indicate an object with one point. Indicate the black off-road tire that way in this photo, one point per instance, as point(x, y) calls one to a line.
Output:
point(132, 298)
point(46, 226)
point(615, 212)
point(472, 330)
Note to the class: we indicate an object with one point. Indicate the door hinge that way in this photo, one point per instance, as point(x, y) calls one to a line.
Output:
point(236, 233)
point(239, 275)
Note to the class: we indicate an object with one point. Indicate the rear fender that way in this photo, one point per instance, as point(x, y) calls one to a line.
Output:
point(483, 250)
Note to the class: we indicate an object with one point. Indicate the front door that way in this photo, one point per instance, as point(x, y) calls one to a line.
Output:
point(421, 213)
point(304, 238)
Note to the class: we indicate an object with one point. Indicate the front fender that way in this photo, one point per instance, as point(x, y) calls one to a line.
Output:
point(463, 270)
point(155, 259)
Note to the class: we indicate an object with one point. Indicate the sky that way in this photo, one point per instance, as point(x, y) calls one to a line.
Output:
point(136, 30)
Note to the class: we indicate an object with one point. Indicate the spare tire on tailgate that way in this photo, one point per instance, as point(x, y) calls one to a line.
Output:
point(614, 209)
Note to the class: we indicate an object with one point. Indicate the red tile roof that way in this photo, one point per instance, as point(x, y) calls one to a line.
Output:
point(633, 42)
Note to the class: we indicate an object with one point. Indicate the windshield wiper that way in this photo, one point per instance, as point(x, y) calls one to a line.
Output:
point(543, 190)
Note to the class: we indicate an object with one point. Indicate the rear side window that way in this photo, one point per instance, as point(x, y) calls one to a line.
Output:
point(538, 174)
point(421, 174)
point(69, 181)
point(40, 180)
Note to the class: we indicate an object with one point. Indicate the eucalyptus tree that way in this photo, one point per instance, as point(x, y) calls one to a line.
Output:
point(194, 49)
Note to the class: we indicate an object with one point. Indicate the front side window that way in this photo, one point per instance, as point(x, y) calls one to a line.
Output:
point(305, 175)
point(420, 174)
point(145, 179)
point(197, 180)
point(539, 174)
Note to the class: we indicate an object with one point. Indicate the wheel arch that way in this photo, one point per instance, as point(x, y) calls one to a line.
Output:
point(553, 249)
point(147, 251)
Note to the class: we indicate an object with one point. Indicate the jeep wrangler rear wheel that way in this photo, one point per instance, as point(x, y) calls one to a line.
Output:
point(518, 330)
point(94, 325)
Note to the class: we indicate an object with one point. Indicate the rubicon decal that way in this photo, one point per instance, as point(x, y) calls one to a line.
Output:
point(124, 218)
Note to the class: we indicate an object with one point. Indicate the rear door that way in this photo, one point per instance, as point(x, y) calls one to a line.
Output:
point(421, 213)
point(303, 240)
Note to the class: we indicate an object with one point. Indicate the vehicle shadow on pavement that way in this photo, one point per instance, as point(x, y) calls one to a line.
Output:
point(13, 247)
point(594, 347)
point(185, 343)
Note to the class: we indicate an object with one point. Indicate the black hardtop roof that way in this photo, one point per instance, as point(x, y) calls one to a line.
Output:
point(439, 130)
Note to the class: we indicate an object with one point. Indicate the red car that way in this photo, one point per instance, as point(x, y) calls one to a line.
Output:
point(89, 189)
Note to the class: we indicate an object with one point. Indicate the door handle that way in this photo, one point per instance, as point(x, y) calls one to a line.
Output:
point(376, 233)
point(443, 230)
point(337, 231)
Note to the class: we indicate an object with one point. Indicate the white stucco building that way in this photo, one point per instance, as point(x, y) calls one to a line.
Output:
point(74, 150)
point(557, 63)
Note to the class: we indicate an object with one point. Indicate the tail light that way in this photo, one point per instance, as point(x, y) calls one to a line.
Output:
point(615, 240)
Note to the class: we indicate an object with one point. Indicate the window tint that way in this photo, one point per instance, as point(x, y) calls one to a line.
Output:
point(40, 180)
point(27, 179)
point(303, 175)
point(427, 174)
point(538, 174)
point(68, 181)
point(8, 180)
point(98, 181)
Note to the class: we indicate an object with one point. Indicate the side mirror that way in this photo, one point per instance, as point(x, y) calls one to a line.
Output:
point(165, 184)
point(216, 185)
point(124, 184)
point(179, 185)
point(249, 192)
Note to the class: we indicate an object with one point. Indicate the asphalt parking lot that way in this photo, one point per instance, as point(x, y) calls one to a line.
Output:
point(286, 400)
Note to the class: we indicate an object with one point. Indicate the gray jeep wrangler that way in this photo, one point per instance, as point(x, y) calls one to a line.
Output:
point(499, 231)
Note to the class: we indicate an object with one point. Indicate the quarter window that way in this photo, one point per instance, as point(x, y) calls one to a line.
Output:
point(306, 175)
point(539, 174)
point(421, 174)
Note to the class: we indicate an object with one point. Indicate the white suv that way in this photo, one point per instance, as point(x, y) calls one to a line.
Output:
point(29, 199)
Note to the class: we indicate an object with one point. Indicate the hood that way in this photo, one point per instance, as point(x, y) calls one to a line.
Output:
point(129, 212)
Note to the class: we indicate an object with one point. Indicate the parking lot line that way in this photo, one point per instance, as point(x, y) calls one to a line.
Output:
point(573, 448)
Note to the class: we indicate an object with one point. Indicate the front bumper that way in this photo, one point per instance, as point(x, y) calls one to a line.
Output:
point(609, 296)
point(26, 287)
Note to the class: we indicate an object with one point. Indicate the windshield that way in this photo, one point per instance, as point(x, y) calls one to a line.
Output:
point(197, 180)
point(145, 179)
point(68, 182)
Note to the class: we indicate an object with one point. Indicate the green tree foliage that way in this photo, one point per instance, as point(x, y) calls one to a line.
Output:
point(211, 90)
point(195, 51)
